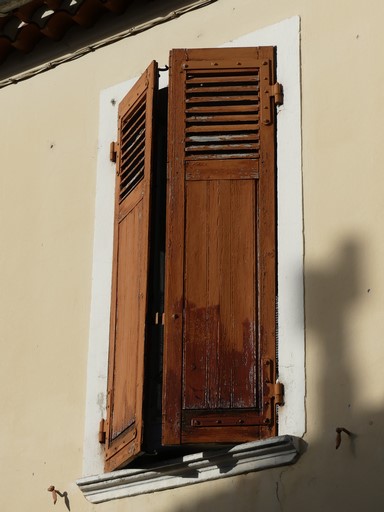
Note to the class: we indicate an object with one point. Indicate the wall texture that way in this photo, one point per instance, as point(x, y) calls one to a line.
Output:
point(49, 135)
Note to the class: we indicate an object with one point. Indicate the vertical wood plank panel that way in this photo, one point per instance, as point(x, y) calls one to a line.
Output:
point(220, 364)
point(243, 288)
point(129, 332)
point(196, 298)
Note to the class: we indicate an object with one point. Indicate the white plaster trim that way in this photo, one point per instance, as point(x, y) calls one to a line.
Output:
point(192, 469)
point(286, 36)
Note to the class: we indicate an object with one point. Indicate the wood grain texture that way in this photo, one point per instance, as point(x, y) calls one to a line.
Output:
point(221, 249)
point(130, 273)
point(220, 362)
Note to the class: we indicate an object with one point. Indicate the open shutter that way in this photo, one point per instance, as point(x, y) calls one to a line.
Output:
point(219, 348)
point(130, 273)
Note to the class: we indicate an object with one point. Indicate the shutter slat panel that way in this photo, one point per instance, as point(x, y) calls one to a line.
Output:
point(234, 155)
point(220, 118)
point(134, 169)
point(131, 141)
point(219, 78)
point(222, 90)
point(132, 127)
point(223, 128)
point(132, 162)
point(217, 98)
point(221, 109)
point(231, 99)
point(132, 147)
point(219, 144)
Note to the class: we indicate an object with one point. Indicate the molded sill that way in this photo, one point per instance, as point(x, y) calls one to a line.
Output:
point(191, 469)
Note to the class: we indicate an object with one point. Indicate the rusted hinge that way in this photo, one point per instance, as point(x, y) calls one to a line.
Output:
point(112, 152)
point(102, 432)
point(278, 393)
point(277, 93)
point(269, 92)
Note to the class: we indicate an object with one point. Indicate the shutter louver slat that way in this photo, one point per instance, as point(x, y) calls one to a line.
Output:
point(217, 96)
point(132, 149)
point(205, 122)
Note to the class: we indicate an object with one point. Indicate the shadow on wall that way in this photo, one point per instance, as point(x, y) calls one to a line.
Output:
point(332, 295)
point(348, 479)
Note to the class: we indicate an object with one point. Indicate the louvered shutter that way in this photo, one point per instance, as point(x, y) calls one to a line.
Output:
point(130, 273)
point(219, 353)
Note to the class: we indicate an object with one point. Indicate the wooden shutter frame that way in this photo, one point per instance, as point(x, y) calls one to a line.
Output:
point(181, 61)
point(126, 445)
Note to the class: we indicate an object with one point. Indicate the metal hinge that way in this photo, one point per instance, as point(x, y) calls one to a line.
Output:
point(112, 152)
point(269, 92)
point(277, 93)
point(278, 393)
point(102, 432)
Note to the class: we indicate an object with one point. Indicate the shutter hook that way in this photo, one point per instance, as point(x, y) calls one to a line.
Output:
point(339, 430)
point(52, 489)
point(55, 492)
point(165, 68)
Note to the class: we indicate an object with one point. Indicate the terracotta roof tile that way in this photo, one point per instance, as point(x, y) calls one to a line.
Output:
point(23, 27)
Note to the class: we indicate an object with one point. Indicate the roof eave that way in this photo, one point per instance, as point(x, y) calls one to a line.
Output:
point(7, 6)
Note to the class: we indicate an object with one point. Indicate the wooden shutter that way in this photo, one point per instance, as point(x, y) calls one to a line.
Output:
point(130, 272)
point(219, 353)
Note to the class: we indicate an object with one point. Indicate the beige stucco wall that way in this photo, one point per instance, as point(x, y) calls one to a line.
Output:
point(49, 131)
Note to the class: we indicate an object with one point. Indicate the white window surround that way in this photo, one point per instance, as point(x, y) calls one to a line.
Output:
point(278, 451)
point(188, 470)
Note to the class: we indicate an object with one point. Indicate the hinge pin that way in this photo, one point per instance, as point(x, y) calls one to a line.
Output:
point(112, 152)
point(102, 432)
point(278, 393)
point(277, 93)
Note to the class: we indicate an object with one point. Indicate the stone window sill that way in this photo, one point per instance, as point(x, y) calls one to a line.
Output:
point(191, 469)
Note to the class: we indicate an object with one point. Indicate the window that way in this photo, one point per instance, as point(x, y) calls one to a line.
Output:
point(285, 36)
point(219, 366)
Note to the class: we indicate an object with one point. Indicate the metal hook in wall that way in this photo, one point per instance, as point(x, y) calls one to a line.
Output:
point(52, 489)
point(339, 430)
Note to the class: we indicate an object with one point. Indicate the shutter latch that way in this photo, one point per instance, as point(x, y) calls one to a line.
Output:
point(102, 432)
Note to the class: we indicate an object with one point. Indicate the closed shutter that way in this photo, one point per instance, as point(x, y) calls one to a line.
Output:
point(219, 348)
point(130, 273)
